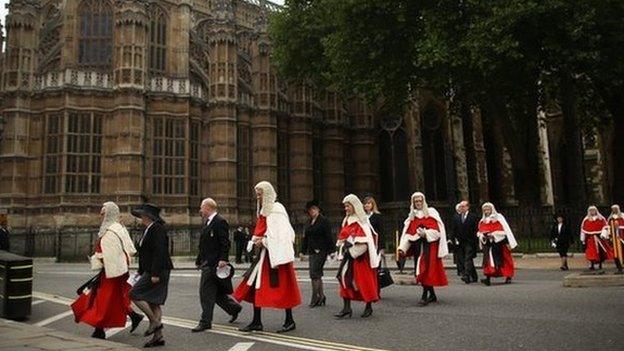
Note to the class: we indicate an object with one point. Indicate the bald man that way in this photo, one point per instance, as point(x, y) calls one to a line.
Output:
point(465, 226)
point(214, 250)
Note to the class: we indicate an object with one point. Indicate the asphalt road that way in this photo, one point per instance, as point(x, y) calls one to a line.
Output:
point(535, 312)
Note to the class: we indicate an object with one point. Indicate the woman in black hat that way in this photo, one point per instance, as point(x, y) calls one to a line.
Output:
point(150, 292)
point(561, 238)
point(317, 244)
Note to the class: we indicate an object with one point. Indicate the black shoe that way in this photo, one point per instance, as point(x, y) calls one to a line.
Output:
point(508, 280)
point(149, 332)
point(315, 302)
point(251, 327)
point(486, 281)
point(466, 280)
point(155, 343)
point(367, 313)
point(235, 316)
point(99, 334)
point(136, 320)
point(201, 327)
point(423, 302)
point(287, 327)
point(344, 313)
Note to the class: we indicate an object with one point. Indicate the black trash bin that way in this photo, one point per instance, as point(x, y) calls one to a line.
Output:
point(16, 276)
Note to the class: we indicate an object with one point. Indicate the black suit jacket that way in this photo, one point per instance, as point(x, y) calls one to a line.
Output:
point(466, 232)
point(318, 236)
point(214, 243)
point(563, 238)
point(154, 251)
point(4, 239)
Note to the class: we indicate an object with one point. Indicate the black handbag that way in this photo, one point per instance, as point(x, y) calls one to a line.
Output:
point(91, 284)
point(383, 274)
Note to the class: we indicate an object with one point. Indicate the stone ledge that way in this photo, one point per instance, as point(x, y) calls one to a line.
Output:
point(584, 280)
point(14, 335)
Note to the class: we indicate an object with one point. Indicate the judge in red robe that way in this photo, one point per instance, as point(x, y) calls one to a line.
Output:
point(497, 241)
point(597, 249)
point(424, 236)
point(271, 280)
point(107, 305)
point(357, 250)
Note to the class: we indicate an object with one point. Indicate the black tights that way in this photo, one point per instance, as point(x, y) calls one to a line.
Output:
point(257, 316)
point(427, 290)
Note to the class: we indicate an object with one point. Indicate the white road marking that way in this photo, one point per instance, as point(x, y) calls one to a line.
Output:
point(295, 342)
point(242, 346)
point(53, 319)
point(115, 331)
point(37, 302)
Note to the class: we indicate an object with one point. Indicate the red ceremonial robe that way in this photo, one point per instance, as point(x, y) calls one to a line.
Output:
point(429, 267)
point(596, 249)
point(489, 269)
point(111, 305)
point(364, 287)
point(285, 295)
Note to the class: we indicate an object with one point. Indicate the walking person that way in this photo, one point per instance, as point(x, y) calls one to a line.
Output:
point(150, 291)
point(108, 304)
point(597, 249)
point(465, 227)
point(497, 241)
point(4, 233)
point(317, 243)
point(240, 240)
point(374, 217)
point(616, 219)
point(214, 248)
point(561, 237)
point(271, 280)
point(424, 237)
point(357, 251)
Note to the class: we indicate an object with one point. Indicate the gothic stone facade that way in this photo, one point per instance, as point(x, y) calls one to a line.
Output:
point(169, 101)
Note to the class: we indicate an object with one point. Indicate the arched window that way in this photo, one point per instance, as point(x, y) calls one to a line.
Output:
point(96, 34)
point(434, 159)
point(158, 42)
point(393, 163)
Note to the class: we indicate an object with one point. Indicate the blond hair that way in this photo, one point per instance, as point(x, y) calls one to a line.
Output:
point(371, 199)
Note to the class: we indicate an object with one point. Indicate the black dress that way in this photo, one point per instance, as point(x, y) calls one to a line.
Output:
point(318, 242)
point(154, 261)
point(375, 221)
point(562, 238)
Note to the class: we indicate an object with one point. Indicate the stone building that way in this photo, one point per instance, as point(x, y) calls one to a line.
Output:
point(169, 101)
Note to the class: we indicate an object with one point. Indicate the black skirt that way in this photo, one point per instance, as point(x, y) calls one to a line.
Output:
point(317, 262)
point(145, 290)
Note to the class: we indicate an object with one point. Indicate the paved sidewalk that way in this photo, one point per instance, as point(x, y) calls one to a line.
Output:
point(16, 336)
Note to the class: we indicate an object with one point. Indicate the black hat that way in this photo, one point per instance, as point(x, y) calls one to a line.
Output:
point(313, 203)
point(148, 210)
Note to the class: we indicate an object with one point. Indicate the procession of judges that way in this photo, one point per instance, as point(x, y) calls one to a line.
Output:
point(111, 297)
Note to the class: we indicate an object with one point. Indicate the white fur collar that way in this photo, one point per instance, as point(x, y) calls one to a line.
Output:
point(352, 219)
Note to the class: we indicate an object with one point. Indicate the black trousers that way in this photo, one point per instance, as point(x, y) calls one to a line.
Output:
point(240, 248)
point(211, 293)
point(466, 252)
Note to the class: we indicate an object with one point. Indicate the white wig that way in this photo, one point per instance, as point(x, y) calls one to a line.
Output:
point(269, 196)
point(111, 216)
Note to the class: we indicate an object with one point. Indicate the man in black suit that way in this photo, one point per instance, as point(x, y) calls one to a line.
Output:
point(465, 226)
point(214, 247)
